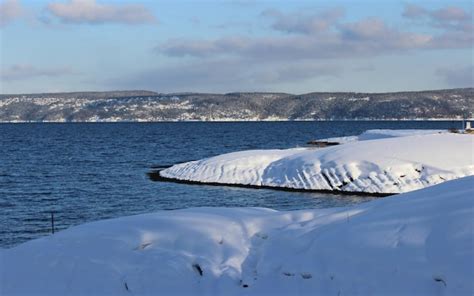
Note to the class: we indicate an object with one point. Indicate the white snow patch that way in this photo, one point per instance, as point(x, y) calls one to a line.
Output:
point(395, 162)
point(418, 243)
point(375, 134)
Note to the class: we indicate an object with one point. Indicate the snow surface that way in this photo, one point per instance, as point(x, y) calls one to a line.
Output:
point(375, 134)
point(418, 243)
point(378, 161)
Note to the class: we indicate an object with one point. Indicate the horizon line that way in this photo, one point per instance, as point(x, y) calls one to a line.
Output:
point(235, 92)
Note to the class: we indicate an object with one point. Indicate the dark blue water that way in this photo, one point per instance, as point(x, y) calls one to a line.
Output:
point(87, 172)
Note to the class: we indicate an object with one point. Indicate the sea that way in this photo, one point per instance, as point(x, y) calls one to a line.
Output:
point(81, 172)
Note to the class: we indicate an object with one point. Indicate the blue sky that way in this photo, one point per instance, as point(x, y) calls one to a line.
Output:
point(226, 46)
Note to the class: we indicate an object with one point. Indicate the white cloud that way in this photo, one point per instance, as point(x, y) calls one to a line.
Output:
point(91, 12)
point(413, 11)
point(301, 45)
point(325, 35)
point(366, 29)
point(451, 13)
point(302, 22)
point(26, 71)
point(10, 10)
point(363, 38)
point(449, 18)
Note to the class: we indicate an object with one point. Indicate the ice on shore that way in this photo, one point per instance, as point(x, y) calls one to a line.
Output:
point(417, 243)
point(377, 161)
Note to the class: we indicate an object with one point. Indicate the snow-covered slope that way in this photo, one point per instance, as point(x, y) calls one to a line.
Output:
point(376, 134)
point(418, 243)
point(375, 162)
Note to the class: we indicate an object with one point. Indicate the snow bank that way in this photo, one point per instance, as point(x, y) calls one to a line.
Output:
point(395, 162)
point(375, 134)
point(418, 243)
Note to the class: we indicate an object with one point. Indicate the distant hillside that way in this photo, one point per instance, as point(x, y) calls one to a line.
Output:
point(151, 106)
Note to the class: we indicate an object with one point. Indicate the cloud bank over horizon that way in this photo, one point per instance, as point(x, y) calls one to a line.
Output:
point(247, 46)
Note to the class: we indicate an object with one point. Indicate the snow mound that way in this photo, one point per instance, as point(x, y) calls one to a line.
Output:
point(393, 163)
point(418, 243)
point(375, 134)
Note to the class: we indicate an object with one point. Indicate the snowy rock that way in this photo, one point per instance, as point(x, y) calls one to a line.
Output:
point(376, 162)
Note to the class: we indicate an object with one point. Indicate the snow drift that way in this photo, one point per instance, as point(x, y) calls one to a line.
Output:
point(380, 161)
point(418, 243)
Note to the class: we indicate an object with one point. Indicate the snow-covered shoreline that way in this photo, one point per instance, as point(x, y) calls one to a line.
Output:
point(376, 162)
point(417, 243)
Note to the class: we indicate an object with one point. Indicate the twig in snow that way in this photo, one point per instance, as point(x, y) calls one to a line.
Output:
point(440, 279)
point(126, 286)
point(198, 269)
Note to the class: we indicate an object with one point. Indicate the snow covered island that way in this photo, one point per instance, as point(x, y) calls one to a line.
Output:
point(376, 162)
point(417, 243)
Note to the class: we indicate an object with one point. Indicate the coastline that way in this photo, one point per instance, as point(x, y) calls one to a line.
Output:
point(457, 119)
point(156, 176)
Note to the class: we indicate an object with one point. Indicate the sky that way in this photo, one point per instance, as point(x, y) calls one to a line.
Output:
point(225, 46)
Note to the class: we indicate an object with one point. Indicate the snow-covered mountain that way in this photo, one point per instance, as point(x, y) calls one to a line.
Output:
point(151, 106)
